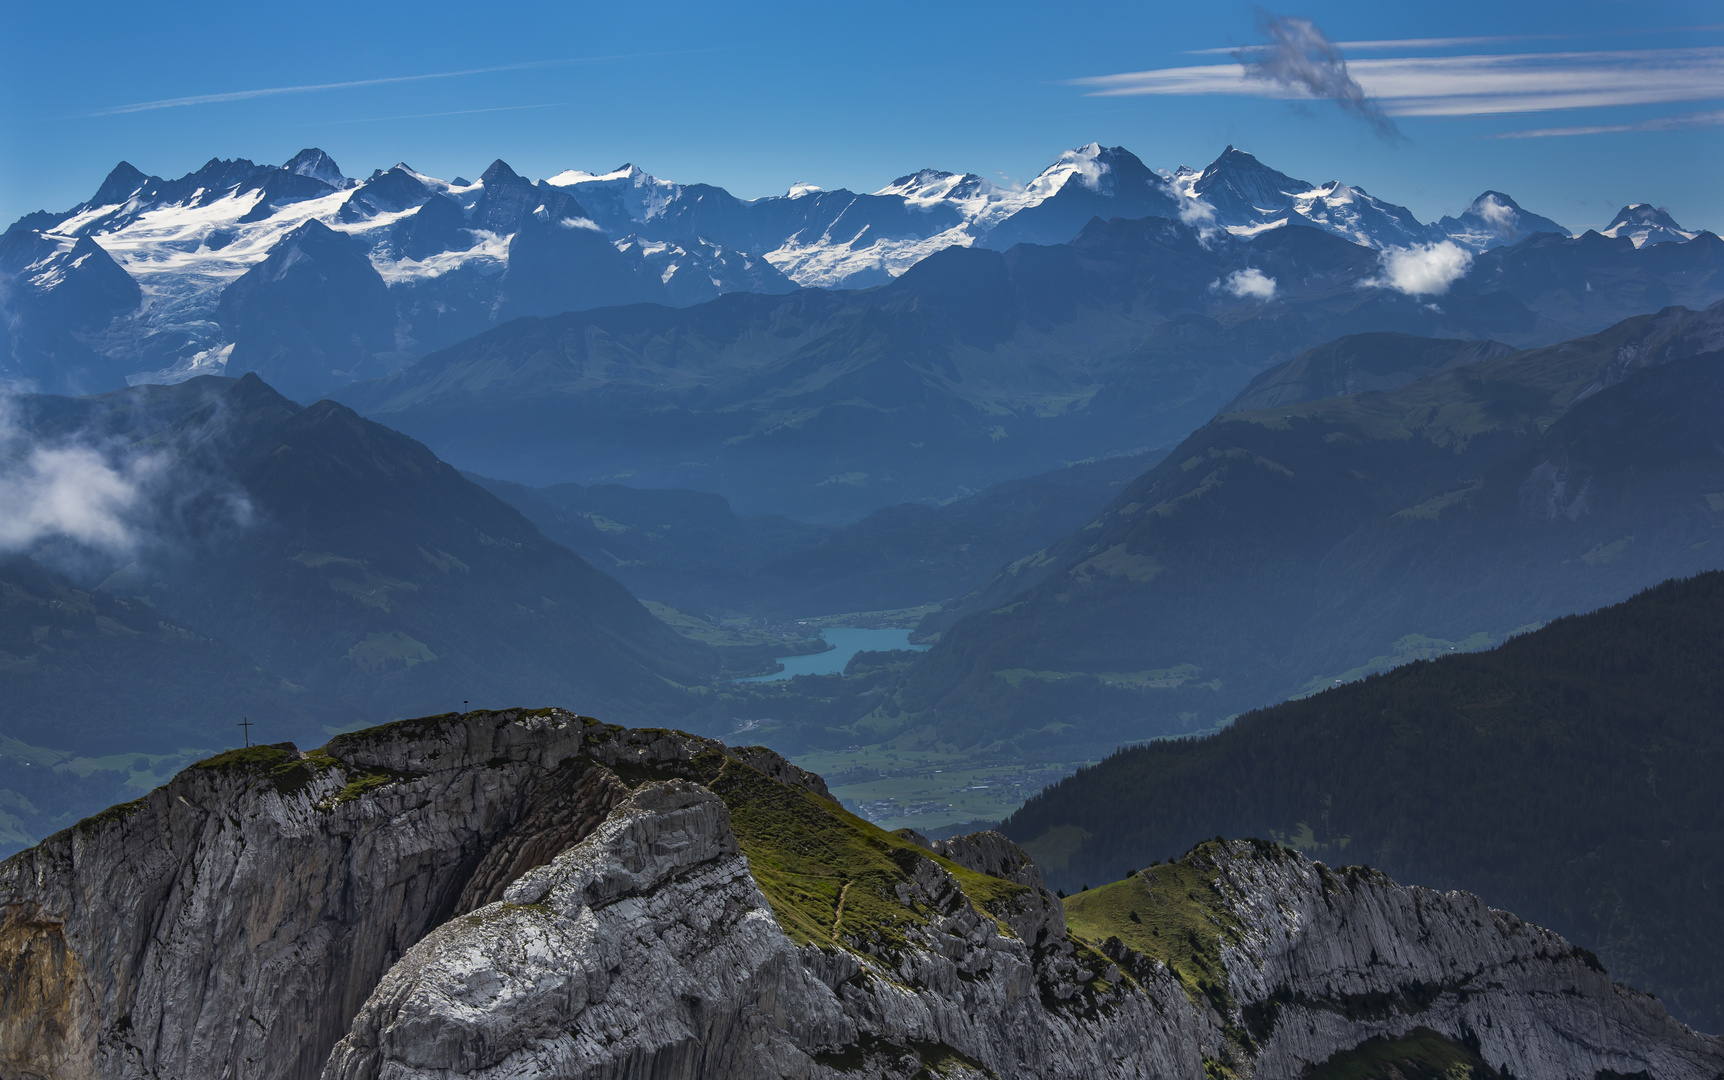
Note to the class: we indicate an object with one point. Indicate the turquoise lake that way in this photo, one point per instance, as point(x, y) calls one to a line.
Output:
point(846, 642)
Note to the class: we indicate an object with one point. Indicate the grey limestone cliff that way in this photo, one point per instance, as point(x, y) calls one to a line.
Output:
point(535, 894)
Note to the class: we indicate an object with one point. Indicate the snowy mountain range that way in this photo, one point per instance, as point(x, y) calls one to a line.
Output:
point(315, 279)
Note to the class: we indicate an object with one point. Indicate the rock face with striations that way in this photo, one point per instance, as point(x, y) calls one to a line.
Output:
point(536, 894)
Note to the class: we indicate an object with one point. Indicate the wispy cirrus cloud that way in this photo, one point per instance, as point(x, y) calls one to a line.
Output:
point(351, 84)
point(1379, 44)
point(1685, 121)
point(309, 88)
point(450, 112)
point(1468, 85)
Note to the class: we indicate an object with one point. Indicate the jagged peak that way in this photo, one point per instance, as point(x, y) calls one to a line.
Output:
point(311, 226)
point(217, 163)
point(1232, 159)
point(121, 183)
point(316, 164)
point(498, 172)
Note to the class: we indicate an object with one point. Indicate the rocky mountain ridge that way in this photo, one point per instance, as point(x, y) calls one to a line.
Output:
point(536, 893)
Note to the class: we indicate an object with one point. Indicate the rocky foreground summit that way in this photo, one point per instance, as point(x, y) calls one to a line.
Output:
point(538, 894)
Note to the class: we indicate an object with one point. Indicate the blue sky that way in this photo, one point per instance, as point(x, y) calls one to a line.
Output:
point(1629, 96)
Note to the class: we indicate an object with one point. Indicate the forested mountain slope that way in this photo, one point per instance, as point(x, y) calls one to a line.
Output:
point(1570, 774)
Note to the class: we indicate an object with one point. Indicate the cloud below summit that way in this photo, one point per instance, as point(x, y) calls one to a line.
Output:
point(1424, 269)
point(69, 491)
point(93, 498)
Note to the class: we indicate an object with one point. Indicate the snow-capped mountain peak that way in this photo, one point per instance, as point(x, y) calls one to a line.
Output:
point(317, 165)
point(627, 194)
point(1646, 224)
point(628, 171)
point(1492, 220)
point(498, 172)
point(1242, 188)
point(1247, 197)
point(929, 186)
point(121, 184)
point(451, 257)
point(1087, 165)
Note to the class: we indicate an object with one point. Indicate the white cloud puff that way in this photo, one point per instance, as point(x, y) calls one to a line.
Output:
point(68, 491)
point(1251, 282)
point(1424, 269)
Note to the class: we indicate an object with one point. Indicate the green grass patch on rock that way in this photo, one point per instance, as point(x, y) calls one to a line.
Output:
point(1421, 1054)
point(808, 853)
point(1173, 913)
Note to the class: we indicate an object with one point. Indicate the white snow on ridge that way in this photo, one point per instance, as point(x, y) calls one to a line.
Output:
point(184, 254)
point(489, 255)
point(211, 361)
point(1246, 232)
point(1084, 164)
point(643, 195)
point(828, 264)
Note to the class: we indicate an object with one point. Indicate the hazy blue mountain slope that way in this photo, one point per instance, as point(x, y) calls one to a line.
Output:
point(309, 317)
point(688, 549)
point(1272, 550)
point(1115, 184)
point(691, 551)
point(969, 369)
point(302, 567)
point(136, 682)
point(54, 292)
point(1569, 774)
point(1357, 363)
point(105, 698)
point(366, 569)
point(1587, 282)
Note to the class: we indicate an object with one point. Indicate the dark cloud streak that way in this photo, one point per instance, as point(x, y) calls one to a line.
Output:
point(1300, 58)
